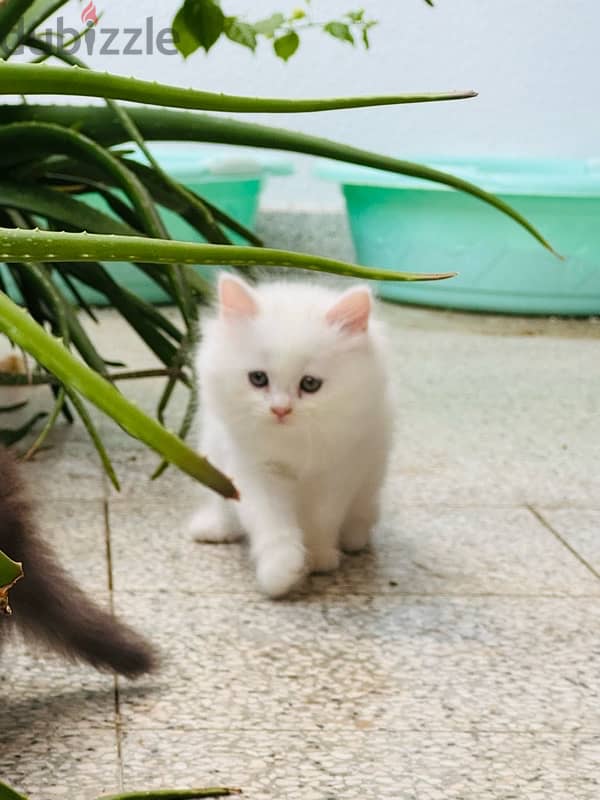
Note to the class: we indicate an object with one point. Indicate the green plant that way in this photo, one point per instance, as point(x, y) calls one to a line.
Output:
point(201, 23)
point(54, 155)
point(6, 793)
point(10, 572)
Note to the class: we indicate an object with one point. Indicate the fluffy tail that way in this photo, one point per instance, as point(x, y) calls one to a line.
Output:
point(48, 605)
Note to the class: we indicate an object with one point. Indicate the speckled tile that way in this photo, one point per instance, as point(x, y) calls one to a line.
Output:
point(580, 528)
point(476, 550)
point(388, 662)
point(76, 530)
point(53, 763)
point(459, 660)
point(66, 470)
point(417, 550)
point(347, 765)
point(143, 531)
point(45, 694)
point(477, 421)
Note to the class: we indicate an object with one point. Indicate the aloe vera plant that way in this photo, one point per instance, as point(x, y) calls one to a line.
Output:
point(53, 243)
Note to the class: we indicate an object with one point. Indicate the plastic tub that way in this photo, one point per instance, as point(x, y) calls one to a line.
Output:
point(229, 179)
point(406, 223)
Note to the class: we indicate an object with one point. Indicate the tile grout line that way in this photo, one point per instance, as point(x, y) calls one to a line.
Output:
point(543, 521)
point(117, 702)
point(316, 731)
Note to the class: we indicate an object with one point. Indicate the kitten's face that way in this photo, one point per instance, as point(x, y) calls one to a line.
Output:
point(279, 381)
point(286, 359)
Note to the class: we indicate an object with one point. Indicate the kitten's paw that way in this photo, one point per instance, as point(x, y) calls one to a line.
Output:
point(325, 560)
point(356, 536)
point(212, 525)
point(279, 570)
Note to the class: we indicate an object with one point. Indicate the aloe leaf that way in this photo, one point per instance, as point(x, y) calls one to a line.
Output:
point(191, 207)
point(65, 319)
point(59, 207)
point(71, 173)
point(14, 406)
point(185, 426)
point(10, 13)
point(30, 139)
point(10, 436)
point(46, 290)
point(183, 126)
point(146, 309)
point(63, 315)
point(6, 793)
point(92, 274)
point(82, 341)
point(170, 194)
point(79, 299)
point(48, 351)
point(24, 245)
point(195, 210)
point(10, 572)
point(95, 276)
point(154, 224)
point(59, 404)
point(173, 794)
point(36, 13)
point(183, 357)
point(79, 406)
point(23, 141)
point(43, 79)
point(119, 208)
point(171, 188)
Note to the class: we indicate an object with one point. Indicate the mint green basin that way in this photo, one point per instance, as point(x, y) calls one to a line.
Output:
point(406, 223)
point(229, 179)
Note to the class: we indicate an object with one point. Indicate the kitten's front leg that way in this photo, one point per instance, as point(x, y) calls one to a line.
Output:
point(267, 512)
point(214, 522)
point(360, 521)
point(322, 534)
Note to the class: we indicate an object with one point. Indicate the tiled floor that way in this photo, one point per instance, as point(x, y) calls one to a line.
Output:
point(458, 660)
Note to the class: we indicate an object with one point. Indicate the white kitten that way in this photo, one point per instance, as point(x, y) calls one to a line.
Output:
point(295, 409)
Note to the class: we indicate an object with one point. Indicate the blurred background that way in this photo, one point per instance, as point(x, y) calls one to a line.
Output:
point(533, 64)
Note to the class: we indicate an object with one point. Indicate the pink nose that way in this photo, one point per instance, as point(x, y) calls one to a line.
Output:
point(281, 411)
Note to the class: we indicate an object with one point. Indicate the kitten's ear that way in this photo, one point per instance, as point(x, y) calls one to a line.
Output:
point(351, 312)
point(236, 298)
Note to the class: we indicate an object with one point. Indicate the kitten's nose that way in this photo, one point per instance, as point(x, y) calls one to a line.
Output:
point(281, 411)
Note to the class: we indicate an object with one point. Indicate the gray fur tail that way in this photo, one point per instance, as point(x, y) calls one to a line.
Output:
point(47, 604)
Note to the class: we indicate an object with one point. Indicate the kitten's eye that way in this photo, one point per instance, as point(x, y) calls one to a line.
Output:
point(310, 384)
point(258, 379)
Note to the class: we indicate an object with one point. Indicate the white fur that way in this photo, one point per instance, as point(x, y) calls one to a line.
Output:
point(308, 485)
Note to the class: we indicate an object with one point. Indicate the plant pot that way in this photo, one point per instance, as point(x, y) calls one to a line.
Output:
point(405, 223)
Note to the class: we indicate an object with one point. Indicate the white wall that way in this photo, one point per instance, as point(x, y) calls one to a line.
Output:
point(535, 64)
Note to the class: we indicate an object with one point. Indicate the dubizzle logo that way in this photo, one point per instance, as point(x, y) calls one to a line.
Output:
point(89, 15)
point(142, 39)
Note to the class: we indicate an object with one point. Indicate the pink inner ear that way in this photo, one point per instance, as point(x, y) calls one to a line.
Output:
point(236, 298)
point(352, 310)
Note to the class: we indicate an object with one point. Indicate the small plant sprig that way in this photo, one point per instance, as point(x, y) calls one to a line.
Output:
point(201, 23)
